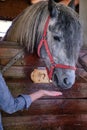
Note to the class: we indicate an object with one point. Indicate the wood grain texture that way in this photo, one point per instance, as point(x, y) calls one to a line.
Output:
point(66, 112)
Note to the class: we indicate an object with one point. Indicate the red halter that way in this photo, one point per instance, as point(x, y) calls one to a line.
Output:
point(43, 41)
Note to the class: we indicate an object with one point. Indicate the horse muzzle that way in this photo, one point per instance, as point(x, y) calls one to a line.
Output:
point(63, 81)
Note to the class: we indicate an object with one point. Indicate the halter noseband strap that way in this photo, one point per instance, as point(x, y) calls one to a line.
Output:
point(43, 41)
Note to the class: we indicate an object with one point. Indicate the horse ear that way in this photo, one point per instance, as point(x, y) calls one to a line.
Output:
point(72, 4)
point(52, 8)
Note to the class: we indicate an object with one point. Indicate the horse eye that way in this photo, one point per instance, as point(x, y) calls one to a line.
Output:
point(56, 38)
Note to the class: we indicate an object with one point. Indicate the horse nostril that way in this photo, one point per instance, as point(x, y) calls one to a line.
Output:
point(66, 81)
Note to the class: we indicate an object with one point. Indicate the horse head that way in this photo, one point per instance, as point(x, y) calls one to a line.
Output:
point(64, 39)
point(57, 26)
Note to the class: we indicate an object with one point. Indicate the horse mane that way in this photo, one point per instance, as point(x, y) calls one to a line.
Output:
point(25, 26)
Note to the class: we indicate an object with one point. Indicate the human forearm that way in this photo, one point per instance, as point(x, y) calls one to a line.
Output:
point(10, 104)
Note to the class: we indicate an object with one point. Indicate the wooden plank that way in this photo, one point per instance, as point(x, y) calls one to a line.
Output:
point(54, 107)
point(8, 52)
point(29, 60)
point(46, 120)
point(74, 127)
point(70, 127)
point(84, 64)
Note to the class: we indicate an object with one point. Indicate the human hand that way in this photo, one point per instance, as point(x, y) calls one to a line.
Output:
point(51, 93)
point(36, 95)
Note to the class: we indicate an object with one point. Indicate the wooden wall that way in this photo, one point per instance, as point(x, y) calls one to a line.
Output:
point(67, 112)
point(83, 18)
point(9, 9)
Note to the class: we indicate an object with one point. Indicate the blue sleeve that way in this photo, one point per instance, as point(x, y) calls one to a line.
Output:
point(10, 104)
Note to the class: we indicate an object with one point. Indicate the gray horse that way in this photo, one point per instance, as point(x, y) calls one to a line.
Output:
point(57, 29)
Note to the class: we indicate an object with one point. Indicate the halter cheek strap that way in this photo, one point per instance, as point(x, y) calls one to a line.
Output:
point(43, 41)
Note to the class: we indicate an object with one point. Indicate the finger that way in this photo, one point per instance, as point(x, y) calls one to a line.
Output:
point(53, 93)
point(56, 93)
